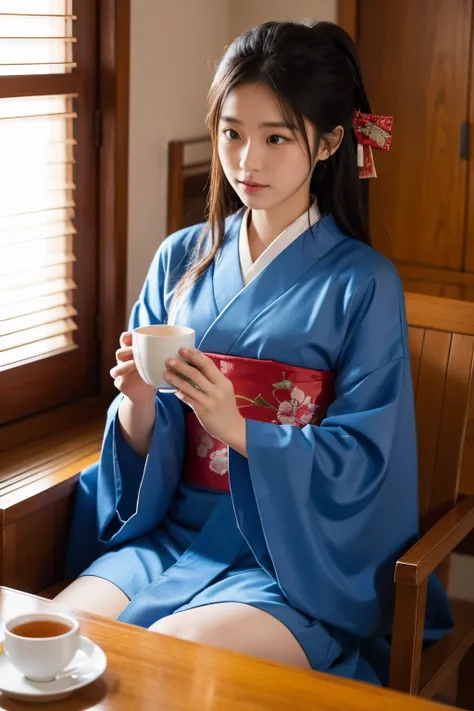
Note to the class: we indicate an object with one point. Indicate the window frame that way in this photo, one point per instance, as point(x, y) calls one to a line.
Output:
point(107, 267)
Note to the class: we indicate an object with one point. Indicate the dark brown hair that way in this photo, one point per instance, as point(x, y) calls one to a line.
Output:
point(315, 73)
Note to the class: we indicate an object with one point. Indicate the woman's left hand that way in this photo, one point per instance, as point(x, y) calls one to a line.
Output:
point(213, 400)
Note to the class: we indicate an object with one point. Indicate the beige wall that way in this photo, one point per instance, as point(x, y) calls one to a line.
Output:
point(245, 14)
point(174, 44)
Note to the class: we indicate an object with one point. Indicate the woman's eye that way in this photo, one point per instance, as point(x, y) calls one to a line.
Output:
point(231, 134)
point(277, 140)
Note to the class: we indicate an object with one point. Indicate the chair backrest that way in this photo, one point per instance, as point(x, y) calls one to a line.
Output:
point(441, 340)
point(189, 162)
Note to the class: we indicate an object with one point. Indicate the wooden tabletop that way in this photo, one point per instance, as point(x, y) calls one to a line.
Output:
point(151, 671)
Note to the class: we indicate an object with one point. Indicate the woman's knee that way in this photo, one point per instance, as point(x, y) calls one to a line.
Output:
point(96, 595)
point(238, 627)
point(217, 624)
point(176, 626)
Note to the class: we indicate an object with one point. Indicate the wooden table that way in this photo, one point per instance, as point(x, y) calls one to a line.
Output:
point(149, 671)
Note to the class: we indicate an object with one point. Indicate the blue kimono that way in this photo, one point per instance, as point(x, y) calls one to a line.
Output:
point(318, 515)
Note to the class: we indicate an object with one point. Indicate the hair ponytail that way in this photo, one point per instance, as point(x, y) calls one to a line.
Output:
point(338, 187)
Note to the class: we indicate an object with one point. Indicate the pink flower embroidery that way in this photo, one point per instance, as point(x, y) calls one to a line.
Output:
point(206, 444)
point(219, 461)
point(297, 411)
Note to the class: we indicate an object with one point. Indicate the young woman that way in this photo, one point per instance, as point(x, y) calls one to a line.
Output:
point(262, 507)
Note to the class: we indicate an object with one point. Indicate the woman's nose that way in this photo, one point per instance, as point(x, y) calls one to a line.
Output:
point(251, 158)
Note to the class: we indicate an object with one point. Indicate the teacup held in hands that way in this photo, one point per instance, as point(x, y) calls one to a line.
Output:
point(154, 345)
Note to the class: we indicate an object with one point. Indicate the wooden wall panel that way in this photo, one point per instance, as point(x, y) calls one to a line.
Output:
point(34, 547)
point(446, 291)
point(347, 16)
point(415, 64)
point(418, 65)
point(469, 252)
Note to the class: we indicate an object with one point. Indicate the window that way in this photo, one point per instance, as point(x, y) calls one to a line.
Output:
point(48, 204)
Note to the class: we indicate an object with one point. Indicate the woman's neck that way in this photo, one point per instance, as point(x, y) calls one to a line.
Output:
point(266, 225)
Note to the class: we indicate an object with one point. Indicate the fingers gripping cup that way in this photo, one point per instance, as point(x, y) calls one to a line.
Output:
point(153, 345)
point(41, 645)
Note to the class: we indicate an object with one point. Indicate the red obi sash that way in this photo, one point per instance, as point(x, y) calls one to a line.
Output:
point(265, 391)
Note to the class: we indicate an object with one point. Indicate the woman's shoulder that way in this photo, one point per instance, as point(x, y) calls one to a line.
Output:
point(183, 240)
point(176, 250)
point(361, 255)
point(366, 281)
point(180, 245)
point(375, 270)
point(371, 290)
point(362, 263)
point(378, 299)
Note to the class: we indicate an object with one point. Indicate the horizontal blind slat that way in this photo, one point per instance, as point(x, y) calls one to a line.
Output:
point(35, 334)
point(14, 224)
point(50, 261)
point(37, 289)
point(9, 215)
point(23, 324)
point(27, 38)
point(27, 255)
point(25, 68)
point(65, 115)
point(31, 235)
point(31, 306)
point(36, 14)
point(56, 344)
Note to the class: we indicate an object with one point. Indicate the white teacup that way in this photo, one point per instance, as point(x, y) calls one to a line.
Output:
point(41, 644)
point(153, 345)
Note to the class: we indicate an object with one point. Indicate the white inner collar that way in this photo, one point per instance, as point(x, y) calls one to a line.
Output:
point(250, 269)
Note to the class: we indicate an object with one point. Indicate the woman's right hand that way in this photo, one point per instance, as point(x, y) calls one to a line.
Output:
point(126, 376)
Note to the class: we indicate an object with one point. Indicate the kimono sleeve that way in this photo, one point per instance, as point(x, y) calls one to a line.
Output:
point(327, 509)
point(123, 496)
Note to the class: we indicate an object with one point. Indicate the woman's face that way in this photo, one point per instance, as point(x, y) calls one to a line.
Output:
point(261, 158)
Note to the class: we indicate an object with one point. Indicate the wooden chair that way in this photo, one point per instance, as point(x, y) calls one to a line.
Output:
point(189, 163)
point(441, 338)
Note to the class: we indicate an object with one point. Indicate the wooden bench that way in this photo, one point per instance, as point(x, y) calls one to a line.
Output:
point(37, 488)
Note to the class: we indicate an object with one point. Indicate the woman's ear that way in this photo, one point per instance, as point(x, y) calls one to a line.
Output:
point(330, 143)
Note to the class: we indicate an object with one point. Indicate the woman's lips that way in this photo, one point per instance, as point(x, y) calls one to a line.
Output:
point(251, 187)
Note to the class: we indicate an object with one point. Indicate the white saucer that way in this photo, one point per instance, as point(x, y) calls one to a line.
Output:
point(88, 664)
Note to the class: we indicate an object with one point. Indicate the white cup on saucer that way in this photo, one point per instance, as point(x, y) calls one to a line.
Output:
point(41, 644)
point(153, 345)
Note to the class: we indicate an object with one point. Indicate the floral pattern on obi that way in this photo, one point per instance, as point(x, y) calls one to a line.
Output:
point(297, 411)
point(265, 391)
point(293, 406)
point(218, 461)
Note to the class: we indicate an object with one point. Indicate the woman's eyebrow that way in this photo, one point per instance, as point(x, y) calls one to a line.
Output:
point(266, 124)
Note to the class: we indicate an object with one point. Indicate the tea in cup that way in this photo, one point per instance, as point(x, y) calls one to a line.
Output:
point(41, 644)
point(154, 345)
